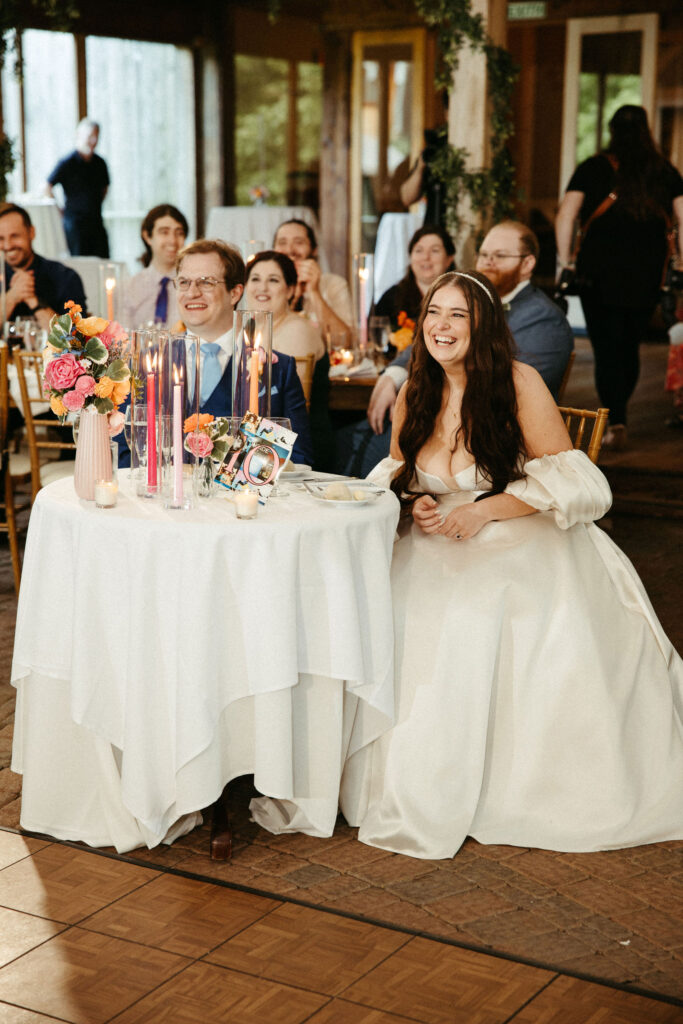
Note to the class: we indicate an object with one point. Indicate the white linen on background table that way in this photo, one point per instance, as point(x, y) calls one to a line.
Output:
point(163, 623)
point(239, 224)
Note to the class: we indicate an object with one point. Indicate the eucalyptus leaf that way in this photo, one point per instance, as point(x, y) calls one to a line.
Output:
point(58, 341)
point(96, 351)
point(118, 370)
point(103, 405)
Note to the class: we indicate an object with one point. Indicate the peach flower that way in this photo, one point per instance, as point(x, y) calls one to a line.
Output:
point(193, 423)
point(92, 326)
point(57, 406)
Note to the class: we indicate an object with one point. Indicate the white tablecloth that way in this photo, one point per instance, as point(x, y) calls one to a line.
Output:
point(240, 224)
point(391, 248)
point(159, 654)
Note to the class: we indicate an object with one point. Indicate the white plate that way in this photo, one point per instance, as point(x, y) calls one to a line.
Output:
point(296, 474)
point(317, 490)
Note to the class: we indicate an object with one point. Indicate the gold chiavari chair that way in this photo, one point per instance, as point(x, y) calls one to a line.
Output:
point(40, 433)
point(577, 421)
point(8, 521)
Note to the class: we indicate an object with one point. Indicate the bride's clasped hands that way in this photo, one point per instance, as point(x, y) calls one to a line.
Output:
point(459, 524)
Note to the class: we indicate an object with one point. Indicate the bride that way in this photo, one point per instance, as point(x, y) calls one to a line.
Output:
point(539, 702)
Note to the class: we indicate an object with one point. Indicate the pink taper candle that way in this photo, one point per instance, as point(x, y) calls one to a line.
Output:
point(177, 441)
point(151, 428)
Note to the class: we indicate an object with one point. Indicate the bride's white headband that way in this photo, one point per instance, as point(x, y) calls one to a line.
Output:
point(476, 281)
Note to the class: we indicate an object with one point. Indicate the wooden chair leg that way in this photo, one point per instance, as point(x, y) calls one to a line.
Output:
point(221, 833)
point(12, 532)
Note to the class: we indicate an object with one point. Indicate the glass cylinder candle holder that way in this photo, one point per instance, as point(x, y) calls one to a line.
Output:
point(251, 247)
point(252, 357)
point(179, 399)
point(363, 283)
point(111, 291)
point(144, 358)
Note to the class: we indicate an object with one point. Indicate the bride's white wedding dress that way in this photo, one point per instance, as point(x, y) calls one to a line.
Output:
point(539, 702)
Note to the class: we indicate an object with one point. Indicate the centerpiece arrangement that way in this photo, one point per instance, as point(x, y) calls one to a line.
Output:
point(86, 372)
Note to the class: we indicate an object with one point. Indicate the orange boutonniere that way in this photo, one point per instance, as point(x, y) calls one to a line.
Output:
point(195, 422)
point(404, 335)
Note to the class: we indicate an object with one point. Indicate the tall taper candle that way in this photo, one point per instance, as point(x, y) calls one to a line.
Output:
point(177, 441)
point(151, 429)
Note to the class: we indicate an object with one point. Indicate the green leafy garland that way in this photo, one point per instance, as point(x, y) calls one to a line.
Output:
point(490, 189)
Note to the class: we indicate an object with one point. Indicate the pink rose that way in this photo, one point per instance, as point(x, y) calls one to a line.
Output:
point(86, 385)
point(73, 400)
point(199, 444)
point(61, 373)
point(113, 332)
point(116, 421)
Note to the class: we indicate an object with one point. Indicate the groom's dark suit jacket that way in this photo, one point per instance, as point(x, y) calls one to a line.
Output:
point(286, 399)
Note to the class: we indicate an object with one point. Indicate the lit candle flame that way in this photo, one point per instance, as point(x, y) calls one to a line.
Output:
point(363, 273)
point(110, 284)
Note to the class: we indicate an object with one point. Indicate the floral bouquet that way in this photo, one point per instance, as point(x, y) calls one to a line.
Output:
point(258, 194)
point(404, 335)
point(85, 366)
point(206, 436)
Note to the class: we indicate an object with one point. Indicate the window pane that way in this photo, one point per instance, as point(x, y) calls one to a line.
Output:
point(11, 113)
point(50, 104)
point(142, 95)
point(262, 90)
point(304, 181)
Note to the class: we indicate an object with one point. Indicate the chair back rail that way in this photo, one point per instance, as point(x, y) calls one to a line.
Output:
point(8, 522)
point(577, 420)
point(26, 364)
point(305, 366)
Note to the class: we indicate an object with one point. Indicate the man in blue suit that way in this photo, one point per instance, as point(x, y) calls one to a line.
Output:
point(541, 332)
point(210, 281)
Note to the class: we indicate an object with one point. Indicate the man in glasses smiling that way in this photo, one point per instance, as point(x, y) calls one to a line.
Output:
point(209, 283)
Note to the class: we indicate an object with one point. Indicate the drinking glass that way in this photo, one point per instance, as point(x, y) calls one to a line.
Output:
point(379, 331)
point(278, 490)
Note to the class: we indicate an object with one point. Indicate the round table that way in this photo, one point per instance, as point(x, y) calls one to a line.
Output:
point(159, 654)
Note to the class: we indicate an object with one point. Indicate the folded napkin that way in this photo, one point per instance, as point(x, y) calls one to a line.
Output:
point(366, 368)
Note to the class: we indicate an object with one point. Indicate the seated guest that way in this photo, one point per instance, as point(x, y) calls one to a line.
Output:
point(36, 287)
point(361, 445)
point(150, 296)
point(210, 282)
point(431, 253)
point(539, 703)
point(541, 331)
point(271, 285)
point(324, 298)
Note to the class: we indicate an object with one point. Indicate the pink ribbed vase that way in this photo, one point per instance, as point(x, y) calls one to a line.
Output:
point(93, 454)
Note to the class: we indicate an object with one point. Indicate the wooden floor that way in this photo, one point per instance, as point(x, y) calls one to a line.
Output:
point(88, 939)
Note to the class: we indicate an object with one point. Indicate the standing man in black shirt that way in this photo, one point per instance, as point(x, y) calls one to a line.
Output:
point(84, 177)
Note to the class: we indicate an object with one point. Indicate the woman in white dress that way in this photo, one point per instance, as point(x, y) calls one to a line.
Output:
point(539, 702)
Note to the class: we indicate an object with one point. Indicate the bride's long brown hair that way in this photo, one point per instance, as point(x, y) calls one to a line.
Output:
point(489, 427)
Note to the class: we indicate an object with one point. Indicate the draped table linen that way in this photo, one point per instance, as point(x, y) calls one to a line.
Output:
point(160, 653)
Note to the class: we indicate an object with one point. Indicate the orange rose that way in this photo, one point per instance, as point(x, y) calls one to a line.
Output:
point(401, 338)
point(92, 326)
point(194, 422)
point(119, 392)
point(57, 406)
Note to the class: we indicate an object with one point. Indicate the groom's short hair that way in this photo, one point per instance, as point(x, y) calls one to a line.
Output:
point(233, 264)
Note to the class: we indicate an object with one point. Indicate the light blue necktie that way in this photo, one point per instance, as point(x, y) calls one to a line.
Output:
point(211, 369)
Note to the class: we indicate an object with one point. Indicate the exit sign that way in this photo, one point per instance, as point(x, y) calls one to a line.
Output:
point(526, 9)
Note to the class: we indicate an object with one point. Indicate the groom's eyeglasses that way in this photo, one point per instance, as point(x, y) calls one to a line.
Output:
point(204, 284)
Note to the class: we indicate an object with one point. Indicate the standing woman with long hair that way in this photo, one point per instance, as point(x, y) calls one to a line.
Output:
point(632, 196)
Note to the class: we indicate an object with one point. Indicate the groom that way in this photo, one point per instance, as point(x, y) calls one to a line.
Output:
point(210, 282)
